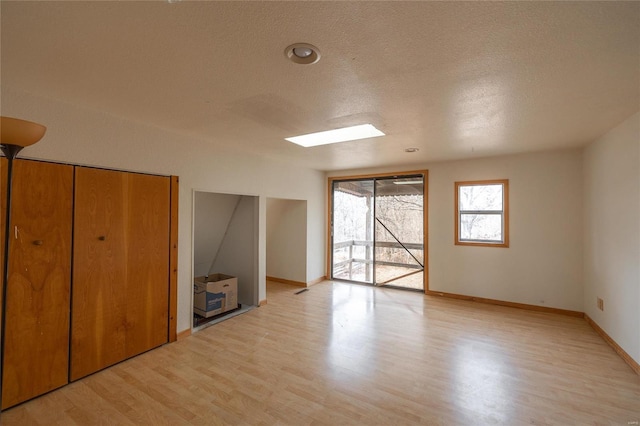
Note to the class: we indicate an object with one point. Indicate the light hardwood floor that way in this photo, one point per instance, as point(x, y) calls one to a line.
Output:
point(348, 354)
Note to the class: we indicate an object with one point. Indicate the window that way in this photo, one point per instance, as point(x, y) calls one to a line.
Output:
point(482, 213)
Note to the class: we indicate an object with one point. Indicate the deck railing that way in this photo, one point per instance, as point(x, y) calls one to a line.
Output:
point(348, 264)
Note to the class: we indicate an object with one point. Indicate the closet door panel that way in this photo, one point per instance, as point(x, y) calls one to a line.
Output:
point(99, 317)
point(37, 331)
point(148, 262)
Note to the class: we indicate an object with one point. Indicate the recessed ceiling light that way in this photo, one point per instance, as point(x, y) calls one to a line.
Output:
point(411, 150)
point(345, 134)
point(302, 53)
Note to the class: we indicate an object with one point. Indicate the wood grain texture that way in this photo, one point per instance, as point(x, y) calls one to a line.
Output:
point(3, 212)
point(285, 281)
point(37, 332)
point(184, 334)
point(509, 304)
point(351, 354)
point(99, 302)
point(173, 261)
point(316, 281)
point(616, 347)
point(121, 267)
point(147, 263)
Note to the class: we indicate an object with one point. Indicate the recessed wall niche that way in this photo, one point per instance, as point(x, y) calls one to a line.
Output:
point(225, 241)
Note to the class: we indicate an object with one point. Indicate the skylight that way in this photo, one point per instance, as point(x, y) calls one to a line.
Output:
point(345, 134)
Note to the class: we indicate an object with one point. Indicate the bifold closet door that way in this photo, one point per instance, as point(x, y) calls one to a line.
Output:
point(37, 330)
point(120, 267)
point(148, 272)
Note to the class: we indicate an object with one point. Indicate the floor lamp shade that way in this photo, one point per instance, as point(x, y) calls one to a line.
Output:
point(20, 132)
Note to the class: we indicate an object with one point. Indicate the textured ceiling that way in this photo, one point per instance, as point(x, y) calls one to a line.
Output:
point(454, 79)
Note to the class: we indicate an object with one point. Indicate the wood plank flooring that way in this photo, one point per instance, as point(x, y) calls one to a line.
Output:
point(343, 354)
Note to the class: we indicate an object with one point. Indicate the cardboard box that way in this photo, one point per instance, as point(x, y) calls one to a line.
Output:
point(215, 294)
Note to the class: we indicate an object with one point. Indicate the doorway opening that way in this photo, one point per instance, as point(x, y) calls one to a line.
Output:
point(378, 227)
point(286, 253)
point(225, 244)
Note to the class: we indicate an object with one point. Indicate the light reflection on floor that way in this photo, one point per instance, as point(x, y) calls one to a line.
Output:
point(360, 313)
point(447, 362)
point(352, 330)
point(477, 381)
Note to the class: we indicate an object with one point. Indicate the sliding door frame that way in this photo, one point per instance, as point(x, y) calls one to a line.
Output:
point(425, 215)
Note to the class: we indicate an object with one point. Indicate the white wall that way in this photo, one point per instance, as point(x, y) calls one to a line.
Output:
point(543, 265)
point(612, 233)
point(83, 136)
point(237, 255)
point(212, 216)
point(287, 239)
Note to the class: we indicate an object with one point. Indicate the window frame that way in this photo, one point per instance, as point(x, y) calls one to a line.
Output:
point(504, 213)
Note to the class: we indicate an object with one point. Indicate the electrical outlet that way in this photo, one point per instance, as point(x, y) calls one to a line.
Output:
point(600, 303)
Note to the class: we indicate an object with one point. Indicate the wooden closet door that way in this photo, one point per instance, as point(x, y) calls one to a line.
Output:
point(121, 267)
point(37, 330)
point(147, 236)
point(99, 303)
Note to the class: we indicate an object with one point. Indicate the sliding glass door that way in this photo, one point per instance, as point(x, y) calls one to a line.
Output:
point(399, 232)
point(352, 230)
point(377, 230)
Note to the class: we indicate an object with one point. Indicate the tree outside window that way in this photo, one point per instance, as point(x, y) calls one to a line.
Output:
point(482, 213)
